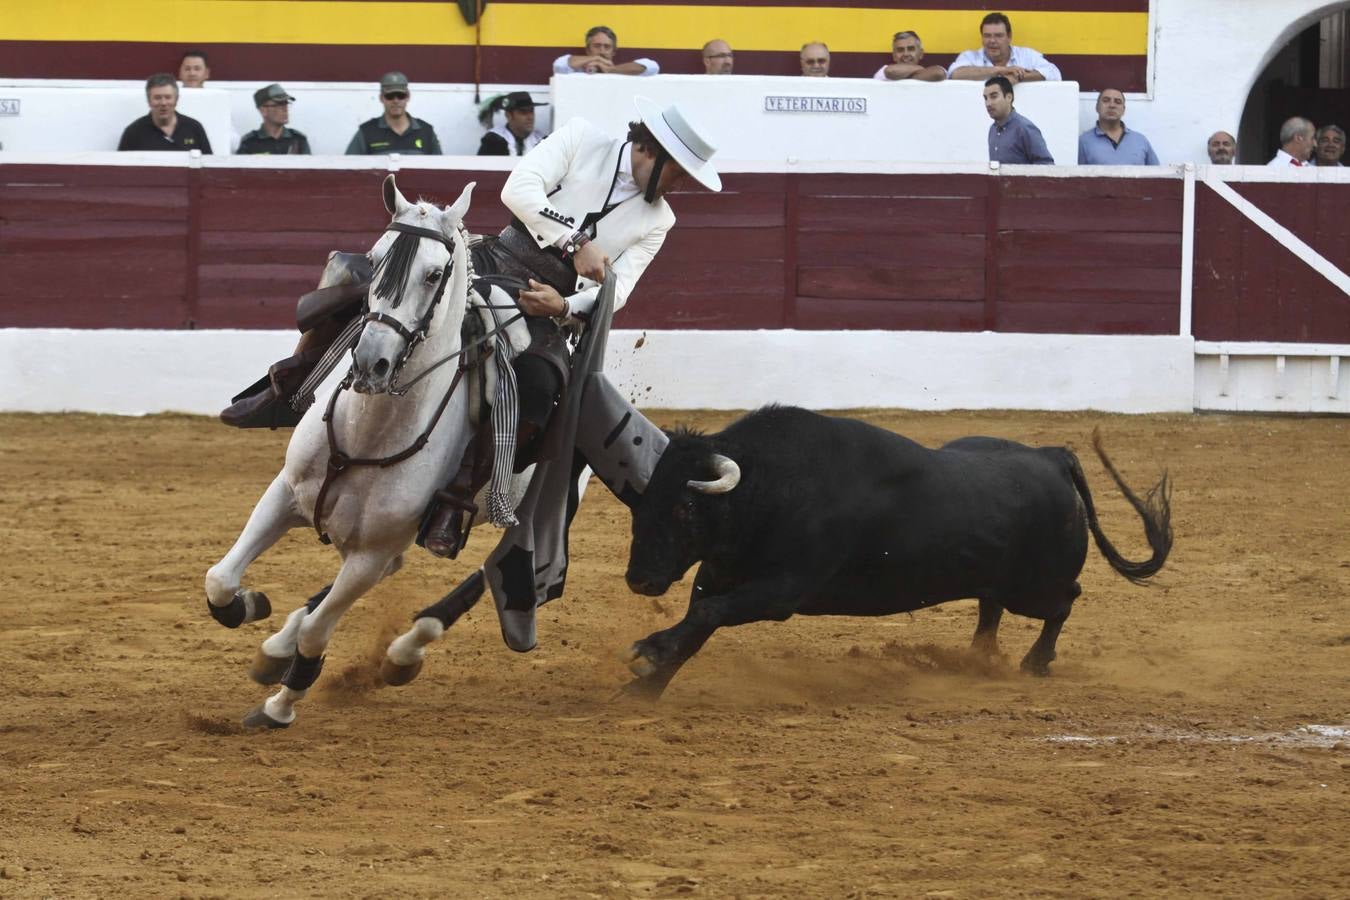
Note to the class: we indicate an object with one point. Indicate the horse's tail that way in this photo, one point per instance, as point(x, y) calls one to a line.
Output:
point(1155, 509)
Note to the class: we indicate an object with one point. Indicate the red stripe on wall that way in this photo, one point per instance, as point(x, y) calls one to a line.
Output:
point(506, 65)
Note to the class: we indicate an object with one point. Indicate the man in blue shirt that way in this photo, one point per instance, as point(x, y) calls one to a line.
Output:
point(1013, 138)
point(1109, 142)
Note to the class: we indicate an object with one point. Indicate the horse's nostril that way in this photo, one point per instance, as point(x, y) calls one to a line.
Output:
point(381, 368)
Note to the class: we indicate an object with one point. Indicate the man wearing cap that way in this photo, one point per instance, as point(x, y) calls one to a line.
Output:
point(395, 131)
point(273, 137)
point(516, 136)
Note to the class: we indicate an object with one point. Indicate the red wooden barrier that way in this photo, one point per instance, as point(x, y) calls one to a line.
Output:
point(1250, 288)
point(150, 247)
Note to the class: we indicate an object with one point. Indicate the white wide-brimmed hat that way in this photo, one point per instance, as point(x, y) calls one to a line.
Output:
point(681, 140)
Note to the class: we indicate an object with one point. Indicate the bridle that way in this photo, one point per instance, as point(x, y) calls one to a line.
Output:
point(415, 336)
point(338, 461)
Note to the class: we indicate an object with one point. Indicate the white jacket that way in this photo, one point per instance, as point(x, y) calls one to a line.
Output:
point(558, 183)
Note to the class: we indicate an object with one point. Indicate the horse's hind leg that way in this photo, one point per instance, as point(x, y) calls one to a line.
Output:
point(360, 572)
point(274, 657)
point(275, 514)
point(403, 660)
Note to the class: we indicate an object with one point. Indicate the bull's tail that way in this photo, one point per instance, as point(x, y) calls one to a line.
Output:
point(1155, 509)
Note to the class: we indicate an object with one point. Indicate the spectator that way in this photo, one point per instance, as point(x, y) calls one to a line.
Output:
point(1221, 147)
point(815, 60)
point(395, 131)
point(717, 58)
point(517, 135)
point(193, 69)
point(163, 128)
point(998, 56)
point(1296, 144)
point(598, 59)
point(1330, 146)
point(273, 137)
point(1012, 136)
point(906, 56)
point(1109, 142)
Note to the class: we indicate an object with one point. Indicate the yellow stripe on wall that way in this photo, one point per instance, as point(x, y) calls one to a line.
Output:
point(554, 25)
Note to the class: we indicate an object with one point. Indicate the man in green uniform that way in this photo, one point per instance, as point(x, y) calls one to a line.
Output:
point(273, 137)
point(395, 131)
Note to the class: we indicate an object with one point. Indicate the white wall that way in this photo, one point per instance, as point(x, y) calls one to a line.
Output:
point(906, 121)
point(49, 112)
point(1207, 55)
point(132, 372)
point(327, 112)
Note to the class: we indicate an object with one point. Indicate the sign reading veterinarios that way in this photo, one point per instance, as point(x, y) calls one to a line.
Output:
point(845, 105)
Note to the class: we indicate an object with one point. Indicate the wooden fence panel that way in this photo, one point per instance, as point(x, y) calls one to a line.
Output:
point(1248, 287)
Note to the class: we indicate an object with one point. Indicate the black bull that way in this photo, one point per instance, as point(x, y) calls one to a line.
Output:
point(792, 512)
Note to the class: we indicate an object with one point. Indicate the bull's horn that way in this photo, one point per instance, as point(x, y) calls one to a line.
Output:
point(728, 476)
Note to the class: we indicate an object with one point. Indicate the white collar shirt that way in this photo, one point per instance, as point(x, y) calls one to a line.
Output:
point(1022, 57)
point(1283, 160)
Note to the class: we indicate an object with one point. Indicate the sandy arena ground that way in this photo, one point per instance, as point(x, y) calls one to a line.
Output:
point(1192, 740)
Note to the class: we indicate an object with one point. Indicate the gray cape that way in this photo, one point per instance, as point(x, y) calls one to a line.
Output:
point(528, 567)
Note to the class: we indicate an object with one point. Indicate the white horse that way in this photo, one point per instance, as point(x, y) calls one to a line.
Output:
point(417, 303)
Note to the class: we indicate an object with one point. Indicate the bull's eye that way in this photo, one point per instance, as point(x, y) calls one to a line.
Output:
point(434, 276)
point(684, 512)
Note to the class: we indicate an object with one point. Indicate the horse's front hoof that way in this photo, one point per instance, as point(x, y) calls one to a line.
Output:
point(257, 717)
point(268, 669)
point(395, 675)
point(244, 606)
point(639, 664)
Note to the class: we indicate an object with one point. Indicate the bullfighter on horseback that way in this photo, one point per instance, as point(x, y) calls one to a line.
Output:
point(580, 201)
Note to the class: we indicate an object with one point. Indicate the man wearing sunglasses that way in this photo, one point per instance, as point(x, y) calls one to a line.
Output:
point(395, 131)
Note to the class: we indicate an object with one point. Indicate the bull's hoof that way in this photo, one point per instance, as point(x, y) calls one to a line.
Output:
point(1038, 667)
point(244, 606)
point(268, 669)
point(257, 717)
point(639, 664)
point(395, 674)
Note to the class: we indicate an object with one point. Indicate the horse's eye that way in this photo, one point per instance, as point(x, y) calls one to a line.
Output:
point(434, 276)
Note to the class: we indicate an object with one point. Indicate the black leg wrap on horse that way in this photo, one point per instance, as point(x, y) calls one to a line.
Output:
point(304, 671)
point(232, 614)
point(313, 602)
point(449, 608)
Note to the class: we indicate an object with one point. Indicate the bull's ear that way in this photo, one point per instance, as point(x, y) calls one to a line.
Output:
point(394, 201)
point(728, 476)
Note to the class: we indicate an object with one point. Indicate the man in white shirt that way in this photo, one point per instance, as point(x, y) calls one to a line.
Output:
point(1296, 144)
point(907, 61)
point(601, 42)
point(580, 200)
point(998, 56)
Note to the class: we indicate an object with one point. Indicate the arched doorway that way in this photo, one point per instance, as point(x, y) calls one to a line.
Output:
point(1307, 74)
